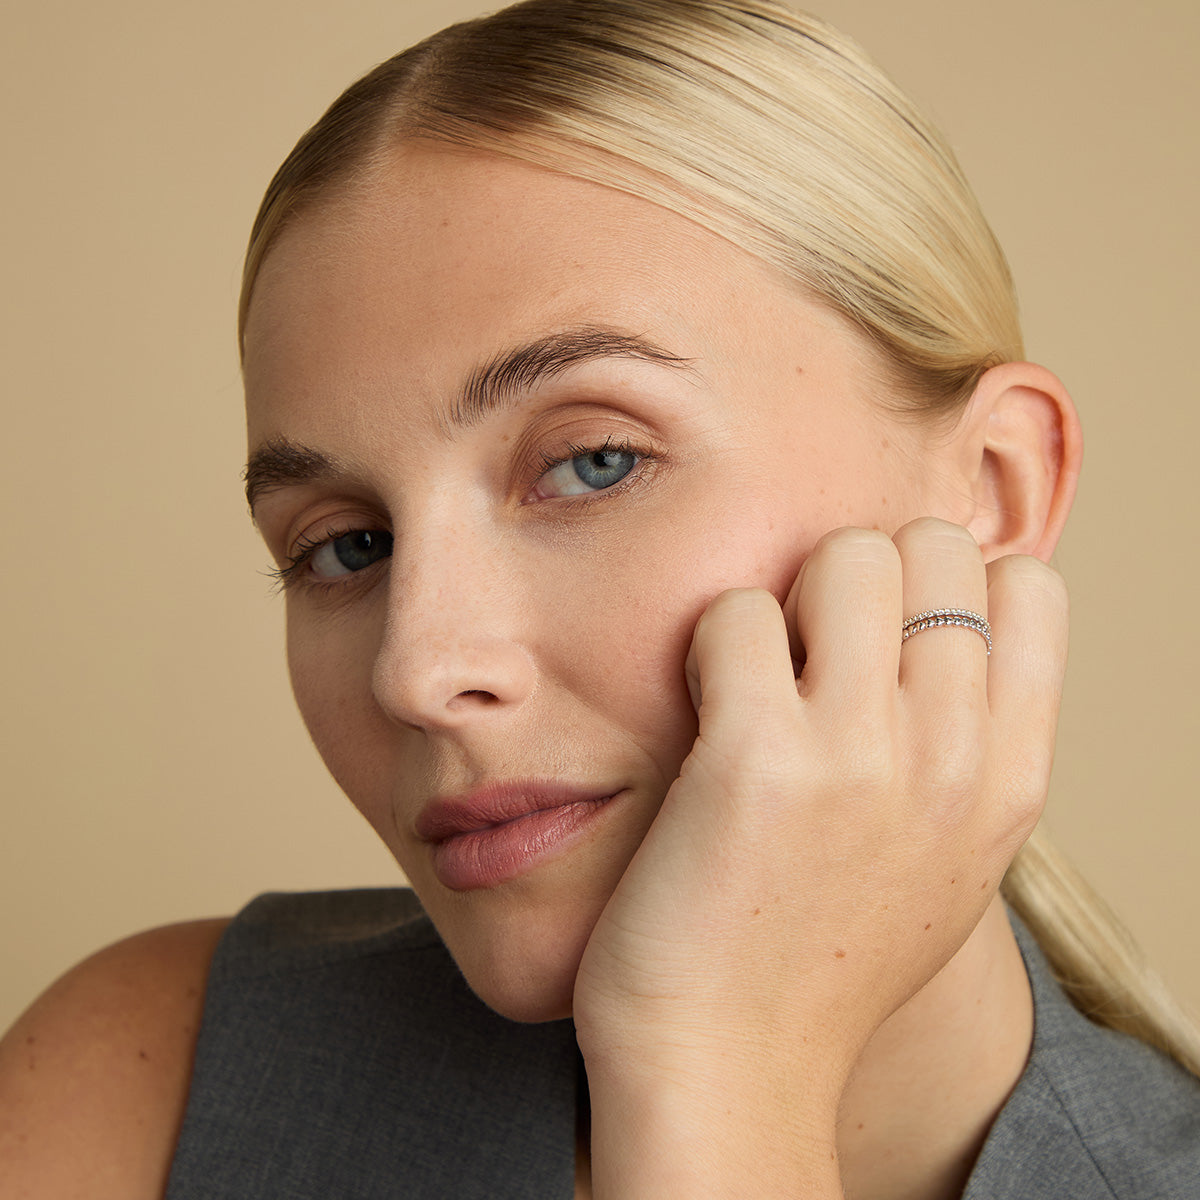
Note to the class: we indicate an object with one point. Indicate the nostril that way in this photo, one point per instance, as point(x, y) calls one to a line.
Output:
point(432, 683)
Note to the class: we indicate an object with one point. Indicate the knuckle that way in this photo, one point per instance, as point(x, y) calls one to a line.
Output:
point(1030, 576)
point(857, 547)
point(1018, 821)
point(1015, 803)
point(1026, 782)
point(737, 609)
point(742, 602)
point(932, 535)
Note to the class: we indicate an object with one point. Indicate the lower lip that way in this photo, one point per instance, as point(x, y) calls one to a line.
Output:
point(484, 858)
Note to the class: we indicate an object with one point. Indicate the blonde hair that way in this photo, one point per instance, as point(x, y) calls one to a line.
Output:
point(778, 133)
point(1092, 955)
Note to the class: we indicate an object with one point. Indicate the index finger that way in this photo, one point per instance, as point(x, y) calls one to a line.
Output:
point(739, 667)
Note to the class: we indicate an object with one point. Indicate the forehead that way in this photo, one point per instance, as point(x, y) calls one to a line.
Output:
point(444, 257)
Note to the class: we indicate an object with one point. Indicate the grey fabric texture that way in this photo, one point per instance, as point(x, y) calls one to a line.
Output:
point(343, 1055)
point(1094, 1116)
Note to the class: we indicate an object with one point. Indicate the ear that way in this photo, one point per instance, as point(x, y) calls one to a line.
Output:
point(1020, 452)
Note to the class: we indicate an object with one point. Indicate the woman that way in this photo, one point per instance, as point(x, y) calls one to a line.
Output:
point(620, 377)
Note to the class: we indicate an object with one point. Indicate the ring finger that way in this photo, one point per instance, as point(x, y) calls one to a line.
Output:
point(944, 658)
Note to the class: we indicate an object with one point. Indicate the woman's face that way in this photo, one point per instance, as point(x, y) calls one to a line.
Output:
point(520, 430)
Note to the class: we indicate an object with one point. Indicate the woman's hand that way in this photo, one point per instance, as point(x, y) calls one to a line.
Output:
point(832, 840)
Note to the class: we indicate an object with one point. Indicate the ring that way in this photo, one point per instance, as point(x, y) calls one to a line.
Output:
point(947, 616)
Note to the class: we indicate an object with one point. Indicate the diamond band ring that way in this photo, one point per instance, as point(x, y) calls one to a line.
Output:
point(947, 616)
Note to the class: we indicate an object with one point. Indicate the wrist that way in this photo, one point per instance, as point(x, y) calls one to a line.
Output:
point(670, 1124)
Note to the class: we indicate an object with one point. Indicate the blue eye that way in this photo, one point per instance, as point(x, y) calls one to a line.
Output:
point(591, 471)
point(351, 552)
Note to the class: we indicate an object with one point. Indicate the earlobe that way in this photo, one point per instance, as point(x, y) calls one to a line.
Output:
point(1023, 450)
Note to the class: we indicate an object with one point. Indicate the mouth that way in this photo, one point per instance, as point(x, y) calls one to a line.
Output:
point(501, 831)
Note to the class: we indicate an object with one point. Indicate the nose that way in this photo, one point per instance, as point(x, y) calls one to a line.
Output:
point(453, 651)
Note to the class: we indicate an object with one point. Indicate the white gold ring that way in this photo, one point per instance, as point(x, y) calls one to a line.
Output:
point(947, 616)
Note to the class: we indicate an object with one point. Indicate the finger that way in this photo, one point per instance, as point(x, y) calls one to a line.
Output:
point(1028, 604)
point(739, 667)
point(846, 608)
point(944, 664)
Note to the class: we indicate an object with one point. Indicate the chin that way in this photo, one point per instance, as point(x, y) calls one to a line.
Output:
point(518, 947)
point(529, 998)
point(524, 970)
point(519, 944)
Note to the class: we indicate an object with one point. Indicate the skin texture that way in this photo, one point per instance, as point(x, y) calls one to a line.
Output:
point(94, 1077)
point(576, 620)
point(783, 926)
point(517, 632)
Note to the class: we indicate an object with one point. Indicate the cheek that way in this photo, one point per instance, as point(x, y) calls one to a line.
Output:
point(639, 625)
point(331, 680)
point(620, 642)
point(610, 643)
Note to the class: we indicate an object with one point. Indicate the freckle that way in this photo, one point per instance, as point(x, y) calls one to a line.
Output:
point(885, 444)
point(929, 926)
point(757, 911)
point(822, 492)
point(860, 1125)
point(30, 1041)
point(839, 954)
point(883, 501)
point(954, 881)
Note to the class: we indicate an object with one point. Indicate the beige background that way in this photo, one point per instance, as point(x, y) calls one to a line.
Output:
point(153, 766)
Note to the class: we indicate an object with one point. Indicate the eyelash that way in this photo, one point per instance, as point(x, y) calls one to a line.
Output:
point(610, 445)
point(292, 575)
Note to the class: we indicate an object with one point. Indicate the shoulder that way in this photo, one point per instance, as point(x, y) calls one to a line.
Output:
point(101, 1063)
point(1135, 1111)
point(1096, 1114)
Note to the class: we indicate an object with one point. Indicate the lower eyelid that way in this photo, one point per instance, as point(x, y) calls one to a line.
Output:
point(297, 567)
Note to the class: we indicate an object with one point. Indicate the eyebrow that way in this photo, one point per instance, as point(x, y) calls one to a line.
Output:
point(504, 379)
point(497, 385)
point(280, 463)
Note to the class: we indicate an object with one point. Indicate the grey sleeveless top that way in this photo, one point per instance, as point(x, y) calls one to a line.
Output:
point(342, 1055)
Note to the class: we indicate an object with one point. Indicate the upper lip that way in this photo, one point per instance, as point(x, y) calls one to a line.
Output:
point(496, 803)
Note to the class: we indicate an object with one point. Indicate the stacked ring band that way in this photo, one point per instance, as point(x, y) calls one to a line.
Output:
point(947, 616)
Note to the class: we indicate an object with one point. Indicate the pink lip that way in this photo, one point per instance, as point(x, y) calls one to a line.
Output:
point(503, 830)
